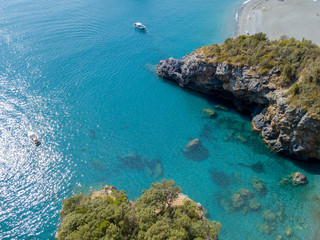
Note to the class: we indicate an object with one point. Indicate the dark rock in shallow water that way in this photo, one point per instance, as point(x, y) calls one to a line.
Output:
point(92, 133)
point(133, 161)
point(155, 168)
point(254, 204)
point(219, 178)
point(195, 151)
point(84, 149)
point(98, 164)
point(199, 154)
point(206, 132)
point(257, 167)
point(259, 186)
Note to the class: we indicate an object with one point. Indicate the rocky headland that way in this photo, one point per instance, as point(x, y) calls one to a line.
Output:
point(161, 212)
point(252, 72)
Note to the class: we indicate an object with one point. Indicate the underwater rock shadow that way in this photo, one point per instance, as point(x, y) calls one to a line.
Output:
point(98, 164)
point(134, 161)
point(206, 132)
point(257, 167)
point(200, 153)
point(194, 150)
point(92, 134)
point(155, 168)
point(220, 178)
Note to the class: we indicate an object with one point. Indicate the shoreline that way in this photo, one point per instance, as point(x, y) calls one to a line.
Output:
point(280, 17)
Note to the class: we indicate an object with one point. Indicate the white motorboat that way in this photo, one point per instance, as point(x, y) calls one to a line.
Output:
point(33, 138)
point(139, 26)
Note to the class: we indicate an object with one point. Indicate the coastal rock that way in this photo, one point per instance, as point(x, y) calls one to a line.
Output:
point(285, 129)
point(298, 178)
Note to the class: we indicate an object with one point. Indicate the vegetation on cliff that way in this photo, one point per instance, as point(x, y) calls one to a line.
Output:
point(156, 215)
point(297, 64)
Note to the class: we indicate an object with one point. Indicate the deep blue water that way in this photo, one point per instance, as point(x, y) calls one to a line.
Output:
point(79, 75)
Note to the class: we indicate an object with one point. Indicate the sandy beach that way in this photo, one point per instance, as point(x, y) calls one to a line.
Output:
point(294, 18)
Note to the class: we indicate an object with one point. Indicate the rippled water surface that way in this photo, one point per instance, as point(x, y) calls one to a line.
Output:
point(80, 76)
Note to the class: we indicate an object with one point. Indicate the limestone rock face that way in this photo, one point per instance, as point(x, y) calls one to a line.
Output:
point(285, 129)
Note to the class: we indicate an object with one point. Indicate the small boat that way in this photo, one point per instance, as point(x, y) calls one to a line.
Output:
point(139, 26)
point(33, 138)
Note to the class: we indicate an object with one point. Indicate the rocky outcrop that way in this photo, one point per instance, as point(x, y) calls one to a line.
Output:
point(298, 178)
point(285, 129)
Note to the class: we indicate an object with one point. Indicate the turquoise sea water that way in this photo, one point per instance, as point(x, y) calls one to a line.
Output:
point(79, 75)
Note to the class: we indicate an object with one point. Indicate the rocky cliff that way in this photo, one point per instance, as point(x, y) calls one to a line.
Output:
point(284, 128)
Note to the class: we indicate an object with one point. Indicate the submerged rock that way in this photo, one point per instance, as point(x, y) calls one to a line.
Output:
point(237, 177)
point(269, 216)
point(288, 231)
point(92, 133)
point(227, 205)
point(154, 168)
point(281, 215)
point(237, 200)
point(254, 204)
point(98, 164)
point(195, 151)
point(206, 132)
point(220, 178)
point(133, 161)
point(278, 237)
point(259, 186)
point(245, 193)
point(265, 229)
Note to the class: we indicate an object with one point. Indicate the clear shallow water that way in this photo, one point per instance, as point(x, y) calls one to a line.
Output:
point(80, 76)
